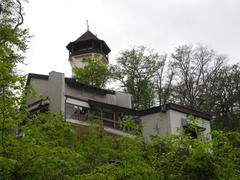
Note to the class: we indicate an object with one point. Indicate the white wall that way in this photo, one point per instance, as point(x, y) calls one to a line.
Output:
point(175, 120)
point(175, 123)
point(166, 123)
point(155, 125)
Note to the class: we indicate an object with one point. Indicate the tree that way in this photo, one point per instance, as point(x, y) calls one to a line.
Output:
point(13, 41)
point(195, 67)
point(50, 149)
point(135, 69)
point(163, 81)
point(223, 98)
point(203, 81)
point(95, 73)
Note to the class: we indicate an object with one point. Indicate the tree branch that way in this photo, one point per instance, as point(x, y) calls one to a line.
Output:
point(20, 13)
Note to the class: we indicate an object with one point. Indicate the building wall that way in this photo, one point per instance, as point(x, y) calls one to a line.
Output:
point(123, 99)
point(78, 60)
point(166, 123)
point(58, 88)
point(176, 117)
point(40, 87)
point(83, 94)
point(119, 99)
point(155, 125)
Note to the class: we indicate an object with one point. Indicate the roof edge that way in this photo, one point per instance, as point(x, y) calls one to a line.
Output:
point(187, 110)
point(164, 108)
point(70, 81)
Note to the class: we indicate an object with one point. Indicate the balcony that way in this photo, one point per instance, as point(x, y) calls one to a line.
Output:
point(84, 114)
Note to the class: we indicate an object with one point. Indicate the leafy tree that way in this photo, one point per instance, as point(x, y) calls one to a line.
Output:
point(223, 98)
point(203, 81)
point(50, 149)
point(135, 69)
point(195, 67)
point(95, 73)
point(47, 150)
point(13, 41)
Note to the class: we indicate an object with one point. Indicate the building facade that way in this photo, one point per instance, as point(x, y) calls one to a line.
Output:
point(78, 102)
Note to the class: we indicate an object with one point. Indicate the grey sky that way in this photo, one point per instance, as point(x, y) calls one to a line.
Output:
point(158, 24)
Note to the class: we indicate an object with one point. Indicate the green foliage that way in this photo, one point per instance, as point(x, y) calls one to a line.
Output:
point(49, 143)
point(135, 70)
point(224, 98)
point(226, 146)
point(196, 77)
point(129, 125)
point(195, 67)
point(13, 41)
point(50, 149)
point(203, 81)
point(95, 73)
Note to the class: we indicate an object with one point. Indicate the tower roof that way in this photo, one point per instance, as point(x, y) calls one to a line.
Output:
point(88, 35)
point(88, 41)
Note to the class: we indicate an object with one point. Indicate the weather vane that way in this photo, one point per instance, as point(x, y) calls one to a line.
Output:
point(87, 24)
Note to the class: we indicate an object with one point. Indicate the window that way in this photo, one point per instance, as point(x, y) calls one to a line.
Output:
point(191, 132)
point(189, 129)
point(76, 112)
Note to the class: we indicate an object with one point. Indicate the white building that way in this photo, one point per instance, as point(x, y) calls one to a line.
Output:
point(77, 101)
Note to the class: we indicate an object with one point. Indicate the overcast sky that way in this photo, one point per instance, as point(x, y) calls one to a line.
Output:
point(158, 24)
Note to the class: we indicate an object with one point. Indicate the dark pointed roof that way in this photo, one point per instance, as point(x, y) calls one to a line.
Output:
point(87, 36)
point(83, 41)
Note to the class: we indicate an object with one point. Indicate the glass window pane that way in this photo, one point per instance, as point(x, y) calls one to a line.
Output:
point(72, 111)
point(83, 114)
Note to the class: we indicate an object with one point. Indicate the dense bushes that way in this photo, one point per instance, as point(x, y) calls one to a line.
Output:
point(50, 149)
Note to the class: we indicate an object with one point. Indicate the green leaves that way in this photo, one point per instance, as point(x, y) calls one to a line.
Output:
point(135, 69)
point(50, 149)
point(95, 73)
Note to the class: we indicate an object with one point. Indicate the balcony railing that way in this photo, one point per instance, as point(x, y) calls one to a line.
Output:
point(80, 113)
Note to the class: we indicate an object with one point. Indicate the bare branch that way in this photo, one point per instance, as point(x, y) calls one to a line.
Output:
point(20, 19)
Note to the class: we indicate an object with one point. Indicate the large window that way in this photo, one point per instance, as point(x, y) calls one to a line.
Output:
point(106, 115)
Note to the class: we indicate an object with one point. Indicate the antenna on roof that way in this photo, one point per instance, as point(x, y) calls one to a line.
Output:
point(87, 25)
